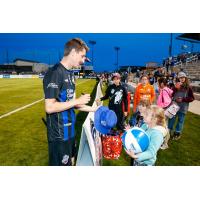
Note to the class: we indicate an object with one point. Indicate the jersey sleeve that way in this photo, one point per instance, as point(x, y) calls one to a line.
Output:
point(52, 84)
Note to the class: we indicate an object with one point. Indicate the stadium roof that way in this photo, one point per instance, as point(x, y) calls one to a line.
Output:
point(190, 37)
point(20, 59)
point(135, 66)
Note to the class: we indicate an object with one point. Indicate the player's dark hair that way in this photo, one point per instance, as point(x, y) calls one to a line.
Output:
point(75, 43)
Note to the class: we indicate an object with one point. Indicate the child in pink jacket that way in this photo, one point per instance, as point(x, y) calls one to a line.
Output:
point(165, 94)
point(164, 100)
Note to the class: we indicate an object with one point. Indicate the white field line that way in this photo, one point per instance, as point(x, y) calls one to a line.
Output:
point(28, 105)
point(21, 108)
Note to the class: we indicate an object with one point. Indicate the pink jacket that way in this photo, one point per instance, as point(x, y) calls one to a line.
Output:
point(165, 97)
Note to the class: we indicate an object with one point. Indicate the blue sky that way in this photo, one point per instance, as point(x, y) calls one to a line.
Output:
point(135, 49)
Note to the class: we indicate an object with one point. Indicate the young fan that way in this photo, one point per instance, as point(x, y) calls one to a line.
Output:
point(156, 129)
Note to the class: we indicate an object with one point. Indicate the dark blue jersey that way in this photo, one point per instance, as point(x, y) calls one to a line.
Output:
point(59, 84)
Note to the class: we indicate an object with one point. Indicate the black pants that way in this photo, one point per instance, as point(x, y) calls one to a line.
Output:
point(61, 152)
point(120, 118)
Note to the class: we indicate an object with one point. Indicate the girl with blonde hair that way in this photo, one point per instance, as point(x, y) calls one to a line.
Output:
point(156, 129)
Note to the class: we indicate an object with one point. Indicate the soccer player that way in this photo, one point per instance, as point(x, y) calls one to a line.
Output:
point(59, 89)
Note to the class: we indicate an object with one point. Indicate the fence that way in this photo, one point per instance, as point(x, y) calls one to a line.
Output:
point(90, 148)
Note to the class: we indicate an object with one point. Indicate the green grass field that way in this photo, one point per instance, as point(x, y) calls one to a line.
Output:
point(23, 138)
point(184, 152)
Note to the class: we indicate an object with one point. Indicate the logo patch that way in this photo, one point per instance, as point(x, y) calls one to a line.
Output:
point(65, 159)
point(52, 85)
point(68, 124)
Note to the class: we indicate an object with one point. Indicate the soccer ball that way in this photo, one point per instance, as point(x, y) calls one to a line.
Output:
point(135, 139)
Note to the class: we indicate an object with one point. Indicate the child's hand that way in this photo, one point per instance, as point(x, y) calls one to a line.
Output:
point(178, 85)
point(125, 114)
point(127, 127)
point(179, 99)
point(131, 154)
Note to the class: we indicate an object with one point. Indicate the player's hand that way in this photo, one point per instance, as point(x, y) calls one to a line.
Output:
point(98, 102)
point(83, 99)
point(73, 161)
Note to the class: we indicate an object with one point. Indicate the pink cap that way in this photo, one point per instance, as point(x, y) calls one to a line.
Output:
point(116, 75)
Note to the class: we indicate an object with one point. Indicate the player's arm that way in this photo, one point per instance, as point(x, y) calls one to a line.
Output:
point(52, 105)
point(86, 108)
point(52, 84)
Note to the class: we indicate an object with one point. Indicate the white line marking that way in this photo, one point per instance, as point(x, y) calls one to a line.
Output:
point(28, 105)
point(21, 108)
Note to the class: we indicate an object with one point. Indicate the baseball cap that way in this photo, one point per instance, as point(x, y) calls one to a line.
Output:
point(116, 75)
point(104, 119)
point(182, 74)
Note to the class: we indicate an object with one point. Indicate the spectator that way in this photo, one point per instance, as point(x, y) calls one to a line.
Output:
point(137, 117)
point(151, 78)
point(165, 93)
point(183, 95)
point(143, 91)
point(155, 127)
point(117, 94)
point(137, 76)
point(158, 73)
point(164, 100)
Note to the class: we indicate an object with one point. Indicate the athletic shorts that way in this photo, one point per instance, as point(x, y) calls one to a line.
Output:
point(61, 152)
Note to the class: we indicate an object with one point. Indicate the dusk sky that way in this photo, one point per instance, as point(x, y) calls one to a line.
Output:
point(135, 49)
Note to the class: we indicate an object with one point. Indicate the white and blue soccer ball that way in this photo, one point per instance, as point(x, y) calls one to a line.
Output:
point(135, 139)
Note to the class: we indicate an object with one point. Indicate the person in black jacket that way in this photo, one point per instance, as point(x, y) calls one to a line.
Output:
point(117, 94)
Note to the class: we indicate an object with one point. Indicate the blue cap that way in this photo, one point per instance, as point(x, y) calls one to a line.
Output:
point(104, 119)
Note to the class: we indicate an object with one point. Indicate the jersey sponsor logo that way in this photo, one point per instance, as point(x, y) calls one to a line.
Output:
point(70, 93)
point(52, 85)
point(68, 124)
point(73, 80)
point(65, 159)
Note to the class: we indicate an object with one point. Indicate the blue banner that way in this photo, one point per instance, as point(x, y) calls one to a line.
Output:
point(6, 75)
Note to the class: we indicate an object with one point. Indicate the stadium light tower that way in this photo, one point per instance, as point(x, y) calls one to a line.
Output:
point(49, 57)
point(170, 48)
point(170, 45)
point(7, 57)
point(192, 47)
point(117, 53)
point(92, 42)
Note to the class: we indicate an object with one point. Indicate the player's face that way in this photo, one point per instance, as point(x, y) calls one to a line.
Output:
point(79, 58)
